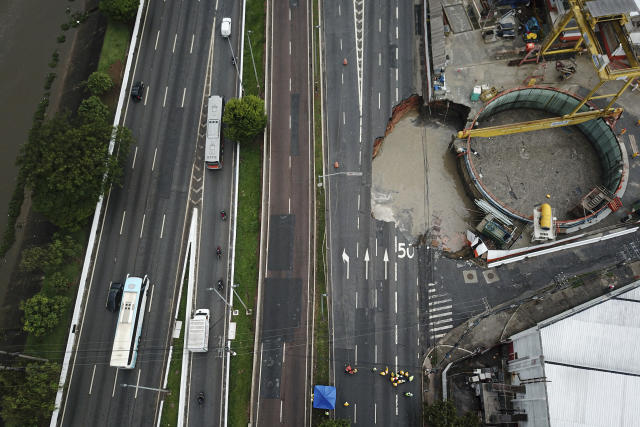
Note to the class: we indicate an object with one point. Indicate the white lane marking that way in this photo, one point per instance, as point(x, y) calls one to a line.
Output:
point(379, 59)
point(115, 381)
point(289, 204)
point(360, 157)
point(135, 396)
point(162, 228)
point(356, 300)
point(93, 374)
point(396, 94)
point(357, 249)
point(434, 316)
point(396, 31)
point(135, 156)
point(375, 413)
point(157, 37)
point(375, 299)
point(396, 365)
point(379, 25)
point(142, 228)
point(396, 12)
point(151, 298)
point(155, 152)
point(184, 93)
point(395, 273)
point(358, 201)
point(340, 44)
point(442, 301)
point(289, 121)
point(342, 77)
point(396, 334)
point(379, 100)
point(289, 14)
point(396, 404)
point(375, 353)
point(174, 43)
point(344, 118)
point(417, 296)
point(376, 246)
point(164, 101)
point(281, 411)
point(358, 222)
point(395, 248)
point(284, 352)
point(289, 161)
point(396, 60)
point(355, 359)
point(289, 84)
point(444, 307)
point(289, 47)
point(396, 302)
point(396, 68)
point(124, 213)
point(193, 36)
point(339, 11)
point(146, 96)
point(355, 413)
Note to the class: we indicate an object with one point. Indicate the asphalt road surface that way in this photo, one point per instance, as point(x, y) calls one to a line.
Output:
point(144, 222)
point(284, 352)
point(373, 268)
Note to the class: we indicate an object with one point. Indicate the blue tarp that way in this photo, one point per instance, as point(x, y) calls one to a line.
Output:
point(324, 397)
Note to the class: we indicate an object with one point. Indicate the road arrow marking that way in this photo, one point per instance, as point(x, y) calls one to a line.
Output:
point(366, 264)
point(386, 263)
point(345, 258)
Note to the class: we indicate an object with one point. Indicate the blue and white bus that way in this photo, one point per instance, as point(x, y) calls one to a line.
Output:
point(127, 339)
point(214, 146)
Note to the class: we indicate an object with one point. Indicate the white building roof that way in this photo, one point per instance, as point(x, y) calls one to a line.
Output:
point(586, 362)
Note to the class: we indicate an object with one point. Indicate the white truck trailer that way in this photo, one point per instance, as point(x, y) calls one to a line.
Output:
point(198, 331)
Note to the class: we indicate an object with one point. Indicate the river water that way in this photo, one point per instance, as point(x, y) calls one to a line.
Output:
point(28, 31)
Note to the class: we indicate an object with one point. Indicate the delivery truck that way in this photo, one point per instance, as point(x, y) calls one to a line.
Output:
point(198, 332)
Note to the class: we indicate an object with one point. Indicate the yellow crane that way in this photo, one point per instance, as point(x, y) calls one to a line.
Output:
point(586, 19)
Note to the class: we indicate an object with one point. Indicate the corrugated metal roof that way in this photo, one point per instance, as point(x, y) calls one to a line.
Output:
point(611, 7)
point(591, 370)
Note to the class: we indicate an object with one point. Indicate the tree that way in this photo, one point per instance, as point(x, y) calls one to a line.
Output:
point(444, 414)
point(66, 159)
point(50, 257)
point(41, 313)
point(120, 10)
point(99, 82)
point(245, 118)
point(32, 396)
point(58, 281)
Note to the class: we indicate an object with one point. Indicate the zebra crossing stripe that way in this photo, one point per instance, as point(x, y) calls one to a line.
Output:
point(449, 313)
point(439, 322)
point(442, 328)
point(440, 308)
point(442, 301)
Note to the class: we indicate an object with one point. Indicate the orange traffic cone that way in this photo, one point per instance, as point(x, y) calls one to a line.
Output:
point(344, 62)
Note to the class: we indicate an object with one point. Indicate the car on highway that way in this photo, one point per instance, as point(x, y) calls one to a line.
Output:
point(114, 297)
point(225, 28)
point(137, 91)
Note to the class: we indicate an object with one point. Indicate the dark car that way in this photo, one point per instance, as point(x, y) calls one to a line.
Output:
point(137, 91)
point(114, 297)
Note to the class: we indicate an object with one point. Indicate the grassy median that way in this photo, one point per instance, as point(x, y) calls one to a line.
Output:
point(248, 232)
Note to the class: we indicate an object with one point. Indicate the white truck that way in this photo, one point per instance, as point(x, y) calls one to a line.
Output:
point(198, 331)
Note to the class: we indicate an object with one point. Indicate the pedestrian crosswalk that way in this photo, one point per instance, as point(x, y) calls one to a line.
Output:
point(440, 312)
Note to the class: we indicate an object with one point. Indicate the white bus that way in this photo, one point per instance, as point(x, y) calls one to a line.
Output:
point(214, 146)
point(127, 339)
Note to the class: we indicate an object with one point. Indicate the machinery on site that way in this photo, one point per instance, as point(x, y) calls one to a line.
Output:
point(582, 18)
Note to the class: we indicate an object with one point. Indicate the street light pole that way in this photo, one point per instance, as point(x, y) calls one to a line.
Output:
point(255, 71)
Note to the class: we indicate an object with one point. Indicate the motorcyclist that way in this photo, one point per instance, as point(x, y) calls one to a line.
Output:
point(223, 215)
point(218, 251)
point(201, 398)
point(220, 285)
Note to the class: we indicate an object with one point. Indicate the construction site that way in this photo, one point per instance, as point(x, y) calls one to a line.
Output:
point(527, 133)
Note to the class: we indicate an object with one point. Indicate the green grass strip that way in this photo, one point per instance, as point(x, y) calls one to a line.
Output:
point(248, 231)
point(115, 45)
point(172, 400)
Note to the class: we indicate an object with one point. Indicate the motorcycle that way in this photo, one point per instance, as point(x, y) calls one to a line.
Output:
point(219, 252)
point(220, 285)
point(200, 398)
point(223, 215)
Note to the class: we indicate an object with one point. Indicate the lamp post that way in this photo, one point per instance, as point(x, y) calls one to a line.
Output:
point(255, 71)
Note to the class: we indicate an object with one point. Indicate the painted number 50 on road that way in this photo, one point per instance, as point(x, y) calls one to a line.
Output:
point(405, 250)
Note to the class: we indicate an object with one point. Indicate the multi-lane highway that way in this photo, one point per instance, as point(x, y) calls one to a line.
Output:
point(283, 364)
point(373, 269)
point(181, 58)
